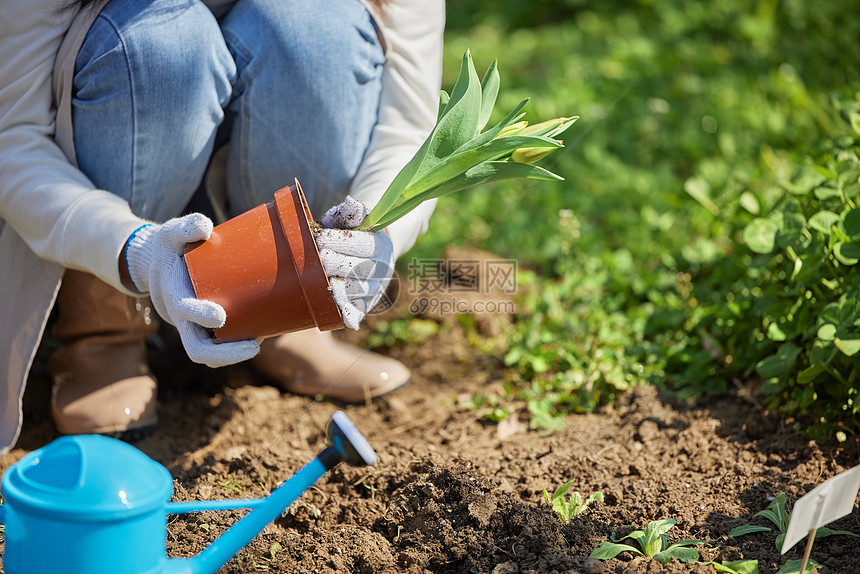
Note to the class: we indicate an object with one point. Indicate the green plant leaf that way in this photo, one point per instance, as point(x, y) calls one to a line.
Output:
point(483, 173)
point(750, 202)
point(849, 344)
point(775, 332)
point(780, 362)
point(598, 496)
point(653, 540)
point(805, 180)
point(680, 553)
point(688, 542)
point(827, 332)
point(851, 223)
point(748, 529)
point(558, 503)
point(844, 253)
point(760, 234)
point(793, 567)
point(443, 102)
point(823, 221)
point(842, 313)
point(822, 353)
point(699, 190)
point(606, 550)
point(778, 507)
point(464, 105)
point(826, 192)
point(824, 532)
point(743, 566)
point(574, 506)
point(637, 535)
point(848, 253)
point(489, 93)
point(809, 374)
point(513, 116)
point(735, 566)
point(790, 230)
point(461, 162)
point(720, 568)
point(770, 515)
point(854, 120)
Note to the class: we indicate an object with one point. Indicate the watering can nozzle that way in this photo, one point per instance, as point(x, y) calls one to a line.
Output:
point(346, 444)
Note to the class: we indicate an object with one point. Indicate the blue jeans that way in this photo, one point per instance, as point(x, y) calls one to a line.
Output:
point(293, 84)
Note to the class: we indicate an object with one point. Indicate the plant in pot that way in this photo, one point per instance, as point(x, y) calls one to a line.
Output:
point(263, 266)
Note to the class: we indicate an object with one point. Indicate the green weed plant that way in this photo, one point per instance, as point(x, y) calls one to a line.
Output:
point(653, 542)
point(777, 513)
point(751, 567)
point(568, 507)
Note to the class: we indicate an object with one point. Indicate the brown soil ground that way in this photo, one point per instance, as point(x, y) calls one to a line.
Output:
point(451, 493)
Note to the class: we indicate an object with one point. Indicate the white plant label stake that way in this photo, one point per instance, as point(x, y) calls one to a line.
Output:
point(829, 501)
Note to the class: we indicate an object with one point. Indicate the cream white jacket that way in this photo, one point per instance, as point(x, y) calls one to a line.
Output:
point(52, 217)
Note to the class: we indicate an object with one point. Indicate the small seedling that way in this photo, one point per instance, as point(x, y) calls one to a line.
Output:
point(573, 506)
point(371, 488)
point(233, 484)
point(488, 406)
point(777, 513)
point(654, 543)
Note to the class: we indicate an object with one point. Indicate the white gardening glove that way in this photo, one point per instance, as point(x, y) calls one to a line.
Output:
point(156, 265)
point(359, 264)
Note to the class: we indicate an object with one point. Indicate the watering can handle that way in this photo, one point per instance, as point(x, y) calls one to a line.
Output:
point(207, 505)
point(345, 444)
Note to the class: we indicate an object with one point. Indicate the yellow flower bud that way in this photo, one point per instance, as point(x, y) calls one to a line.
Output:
point(513, 129)
point(551, 124)
point(531, 154)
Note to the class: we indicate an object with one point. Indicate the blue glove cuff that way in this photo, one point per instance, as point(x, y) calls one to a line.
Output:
point(127, 243)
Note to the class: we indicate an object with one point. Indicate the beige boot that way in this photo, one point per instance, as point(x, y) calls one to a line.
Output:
point(102, 382)
point(313, 362)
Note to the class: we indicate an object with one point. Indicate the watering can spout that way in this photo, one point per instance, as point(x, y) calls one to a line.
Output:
point(346, 444)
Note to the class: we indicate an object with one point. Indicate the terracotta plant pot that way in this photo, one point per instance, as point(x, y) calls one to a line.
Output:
point(263, 267)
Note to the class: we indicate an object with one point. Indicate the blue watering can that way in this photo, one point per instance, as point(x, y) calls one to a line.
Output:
point(94, 505)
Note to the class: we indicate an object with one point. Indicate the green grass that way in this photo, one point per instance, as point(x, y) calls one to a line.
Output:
point(696, 119)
